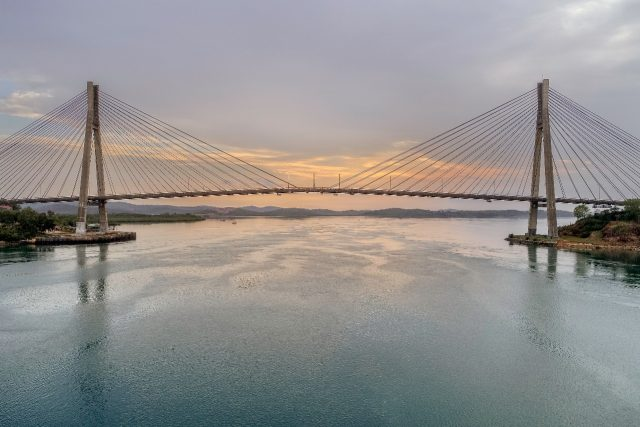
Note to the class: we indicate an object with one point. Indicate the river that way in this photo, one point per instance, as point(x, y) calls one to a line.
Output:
point(326, 321)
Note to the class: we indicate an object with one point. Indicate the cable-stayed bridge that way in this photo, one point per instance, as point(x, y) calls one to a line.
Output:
point(540, 147)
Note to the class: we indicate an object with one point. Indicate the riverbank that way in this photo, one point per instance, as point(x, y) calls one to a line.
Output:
point(59, 238)
point(69, 238)
point(574, 243)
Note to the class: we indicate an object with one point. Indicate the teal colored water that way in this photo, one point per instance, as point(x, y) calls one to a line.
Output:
point(331, 321)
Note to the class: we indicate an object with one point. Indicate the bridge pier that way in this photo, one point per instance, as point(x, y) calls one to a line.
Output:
point(97, 140)
point(535, 175)
point(92, 137)
point(552, 220)
point(543, 143)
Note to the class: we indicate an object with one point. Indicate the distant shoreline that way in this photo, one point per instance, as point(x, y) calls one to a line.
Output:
point(123, 208)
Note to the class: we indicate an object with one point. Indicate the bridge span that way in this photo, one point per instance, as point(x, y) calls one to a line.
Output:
point(540, 147)
point(322, 190)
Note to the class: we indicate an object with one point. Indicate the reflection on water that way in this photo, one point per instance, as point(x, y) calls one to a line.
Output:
point(617, 266)
point(552, 259)
point(92, 333)
point(24, 253)
point(532, 252)
point(95, 275)
point(623, 266)
point(339, 321)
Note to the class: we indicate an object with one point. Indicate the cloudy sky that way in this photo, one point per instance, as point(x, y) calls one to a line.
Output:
point(325, 86)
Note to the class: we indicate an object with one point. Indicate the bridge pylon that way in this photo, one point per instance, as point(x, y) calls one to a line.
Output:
point(92, 138)
point(543, 146)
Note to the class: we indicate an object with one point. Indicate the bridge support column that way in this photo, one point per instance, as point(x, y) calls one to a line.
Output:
point(543, 144)
point(91, 137)
point(102, 204)
point(81, 222)
point(552, 220)
point(535, 175)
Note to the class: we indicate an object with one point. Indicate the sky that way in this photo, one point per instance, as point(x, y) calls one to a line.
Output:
point(324, 87)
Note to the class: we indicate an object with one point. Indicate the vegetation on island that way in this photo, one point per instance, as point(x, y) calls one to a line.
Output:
point(612, 226)
point(18, 224)
point(609, 229)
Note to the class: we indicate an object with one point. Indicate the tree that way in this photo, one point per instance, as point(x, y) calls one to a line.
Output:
point(632, 209)
point(22, 224)
point(581, 211)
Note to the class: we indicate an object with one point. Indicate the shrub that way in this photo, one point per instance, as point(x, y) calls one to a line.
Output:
point(8, 234)
point(24, 224)
point(581, 211)
point(632, 209)
point(596, 222)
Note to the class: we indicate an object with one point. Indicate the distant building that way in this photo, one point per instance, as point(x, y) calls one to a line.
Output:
point(5, 207)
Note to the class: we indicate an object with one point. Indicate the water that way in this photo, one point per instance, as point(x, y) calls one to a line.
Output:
point(319, 321)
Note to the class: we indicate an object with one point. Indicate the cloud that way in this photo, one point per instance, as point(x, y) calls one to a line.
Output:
point(321, 87)
point(584, 45)
point(26, 104)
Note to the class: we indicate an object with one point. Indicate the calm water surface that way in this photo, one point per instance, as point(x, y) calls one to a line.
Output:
point(319, 321)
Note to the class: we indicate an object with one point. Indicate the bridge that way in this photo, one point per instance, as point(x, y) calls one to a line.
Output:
point(538, 139)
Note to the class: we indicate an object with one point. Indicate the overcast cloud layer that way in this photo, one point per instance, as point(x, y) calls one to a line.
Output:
point(322, 86)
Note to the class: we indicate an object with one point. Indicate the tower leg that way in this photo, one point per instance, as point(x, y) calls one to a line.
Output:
point(81, 222)
point(97, 138)
point(552, 220)
point(535, 174)
point(104, 220)
point(533, 218)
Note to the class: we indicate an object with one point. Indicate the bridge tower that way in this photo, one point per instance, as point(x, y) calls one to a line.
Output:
point(92, 138)
point(543, 144)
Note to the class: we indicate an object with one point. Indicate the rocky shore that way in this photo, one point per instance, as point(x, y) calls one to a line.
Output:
point(91, 237)
point(573, 244)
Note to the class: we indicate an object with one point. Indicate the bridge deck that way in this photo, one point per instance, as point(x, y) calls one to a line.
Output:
point(321, 190)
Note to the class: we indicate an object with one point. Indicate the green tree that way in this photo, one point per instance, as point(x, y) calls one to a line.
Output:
point(581, 211)
point(632, 209)
point(24, 224)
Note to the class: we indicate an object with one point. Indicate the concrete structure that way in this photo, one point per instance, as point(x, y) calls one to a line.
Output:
point(102, 203)
point(552, 220)
point(543, 143)
point(91, 137)
point(535, 174)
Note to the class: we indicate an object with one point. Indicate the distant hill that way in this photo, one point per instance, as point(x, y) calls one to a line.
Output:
point(123, 207)
point(274, 211)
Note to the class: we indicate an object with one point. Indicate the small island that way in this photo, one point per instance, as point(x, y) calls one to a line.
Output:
point(610, 229)
point(19, 225)
point(26, 226)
